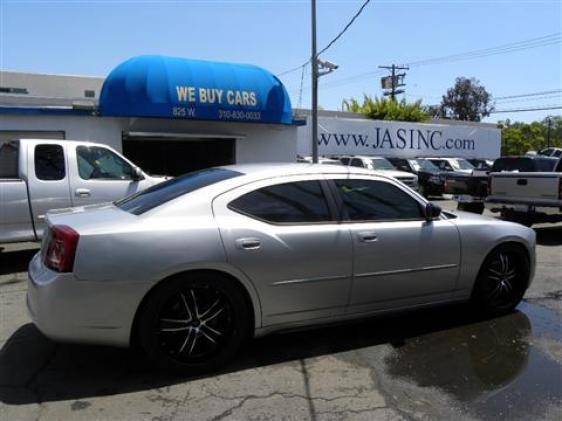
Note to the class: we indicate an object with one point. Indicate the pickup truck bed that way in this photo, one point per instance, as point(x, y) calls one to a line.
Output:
point(527, 197)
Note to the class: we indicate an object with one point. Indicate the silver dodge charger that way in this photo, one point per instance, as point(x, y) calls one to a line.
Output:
point(190, 268)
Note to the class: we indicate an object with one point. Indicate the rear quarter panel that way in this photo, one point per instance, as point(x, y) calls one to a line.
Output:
point(479, 236)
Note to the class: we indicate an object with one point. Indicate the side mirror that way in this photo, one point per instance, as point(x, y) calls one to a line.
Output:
point(431, 211)
point(137, 174)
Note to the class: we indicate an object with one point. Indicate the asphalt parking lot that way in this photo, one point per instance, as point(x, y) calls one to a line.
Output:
point(437, 364)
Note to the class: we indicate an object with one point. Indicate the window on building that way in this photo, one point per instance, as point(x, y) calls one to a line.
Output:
point(372, 200)
point(89, 93)
point(49, 162)
point(297, 202)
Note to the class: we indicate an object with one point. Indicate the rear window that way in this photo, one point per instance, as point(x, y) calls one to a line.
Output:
point(522, 164)
point(154, 196)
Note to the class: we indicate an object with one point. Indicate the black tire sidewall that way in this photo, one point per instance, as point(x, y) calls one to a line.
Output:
point(480, 302)
point(149, 318)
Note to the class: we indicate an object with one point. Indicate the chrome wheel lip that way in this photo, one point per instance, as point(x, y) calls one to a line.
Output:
point(199, 332)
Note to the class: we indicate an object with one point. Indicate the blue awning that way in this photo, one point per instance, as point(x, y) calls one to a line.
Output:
point(158, 86)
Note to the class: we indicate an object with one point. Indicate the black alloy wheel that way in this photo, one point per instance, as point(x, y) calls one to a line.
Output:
point(195, 324)
point(502, 280)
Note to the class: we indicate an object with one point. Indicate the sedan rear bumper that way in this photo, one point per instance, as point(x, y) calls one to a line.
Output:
point(66, 309)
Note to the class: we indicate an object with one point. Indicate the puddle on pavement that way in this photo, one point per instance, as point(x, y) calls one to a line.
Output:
point(493, 368)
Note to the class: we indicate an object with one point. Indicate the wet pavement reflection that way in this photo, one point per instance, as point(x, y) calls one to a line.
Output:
point(504, 367)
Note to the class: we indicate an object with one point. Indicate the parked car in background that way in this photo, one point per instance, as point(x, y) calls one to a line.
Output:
point(554, 152)
point(481, 164)
point(453, 164)
point(430, 179)
point(526, 189)
point(190, 268)
point(37, 175)
point(381, 165)
point(321, 160)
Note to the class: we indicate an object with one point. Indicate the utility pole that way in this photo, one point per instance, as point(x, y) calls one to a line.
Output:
point(394, 81)
point(548, 133)
point(314, 66)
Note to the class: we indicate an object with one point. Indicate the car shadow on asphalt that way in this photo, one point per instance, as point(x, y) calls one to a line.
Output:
point(549, 236)
point(34, 369)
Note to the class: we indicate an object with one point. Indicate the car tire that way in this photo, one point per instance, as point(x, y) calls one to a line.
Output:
point(194, 323)
point(502, 281)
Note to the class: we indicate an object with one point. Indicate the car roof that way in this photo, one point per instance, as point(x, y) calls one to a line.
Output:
point(282, 169)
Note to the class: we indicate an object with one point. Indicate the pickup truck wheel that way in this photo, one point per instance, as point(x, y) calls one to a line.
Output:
point(471, 207)
point(502, 281)
point(520, 218)
point(194, 324)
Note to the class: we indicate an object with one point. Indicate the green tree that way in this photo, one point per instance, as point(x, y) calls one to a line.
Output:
point(387, 109)
point(519, 138)
point(468, 100)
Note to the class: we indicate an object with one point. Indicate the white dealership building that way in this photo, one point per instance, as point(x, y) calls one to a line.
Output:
point(172, 115)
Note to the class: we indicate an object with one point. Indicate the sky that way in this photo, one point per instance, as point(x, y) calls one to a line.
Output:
point(92, 37)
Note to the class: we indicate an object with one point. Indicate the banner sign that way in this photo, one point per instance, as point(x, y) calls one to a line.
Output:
point(350, 136)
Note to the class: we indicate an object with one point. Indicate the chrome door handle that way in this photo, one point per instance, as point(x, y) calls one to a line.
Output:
point(83, 192)
point(367, 236)
point(248, 243)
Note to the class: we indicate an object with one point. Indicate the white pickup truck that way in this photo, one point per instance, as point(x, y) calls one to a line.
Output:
point(526, 189)
point(37, 175)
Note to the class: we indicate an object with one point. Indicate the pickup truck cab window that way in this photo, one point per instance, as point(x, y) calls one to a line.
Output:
point(49, 162)
point(8, 159)
point(98, 163)
point(296, 202)
point(373, 200)
point(356, 162)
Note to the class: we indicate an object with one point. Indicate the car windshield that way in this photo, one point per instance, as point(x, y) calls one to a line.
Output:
point(154, 196)
point(382, 164)
point(424, 164)
point(461, 164)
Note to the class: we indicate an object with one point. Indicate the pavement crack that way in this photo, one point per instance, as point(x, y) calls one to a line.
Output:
point(305, 375)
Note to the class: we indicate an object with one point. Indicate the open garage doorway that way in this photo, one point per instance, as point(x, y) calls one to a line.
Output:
point(176, 156)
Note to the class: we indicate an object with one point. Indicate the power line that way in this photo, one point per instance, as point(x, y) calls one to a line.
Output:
point(345, 28)
point(294, 69)
point(545, 40)
point(332, 42)
point(553, 91)
point(539, 108)
point(531, 99)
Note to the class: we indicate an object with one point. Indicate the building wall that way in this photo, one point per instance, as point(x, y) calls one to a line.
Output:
point(255, 143)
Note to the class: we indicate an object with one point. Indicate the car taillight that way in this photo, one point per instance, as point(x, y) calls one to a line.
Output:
point(61, 248)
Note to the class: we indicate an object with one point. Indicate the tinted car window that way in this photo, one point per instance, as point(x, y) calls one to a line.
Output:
point(302, 201)
point(8, 159)
point(523, 164)
point(49, 162)
point(356, 163)
point(96, 163)
point(154, 196)
point(345, 161)
point(371, 200)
